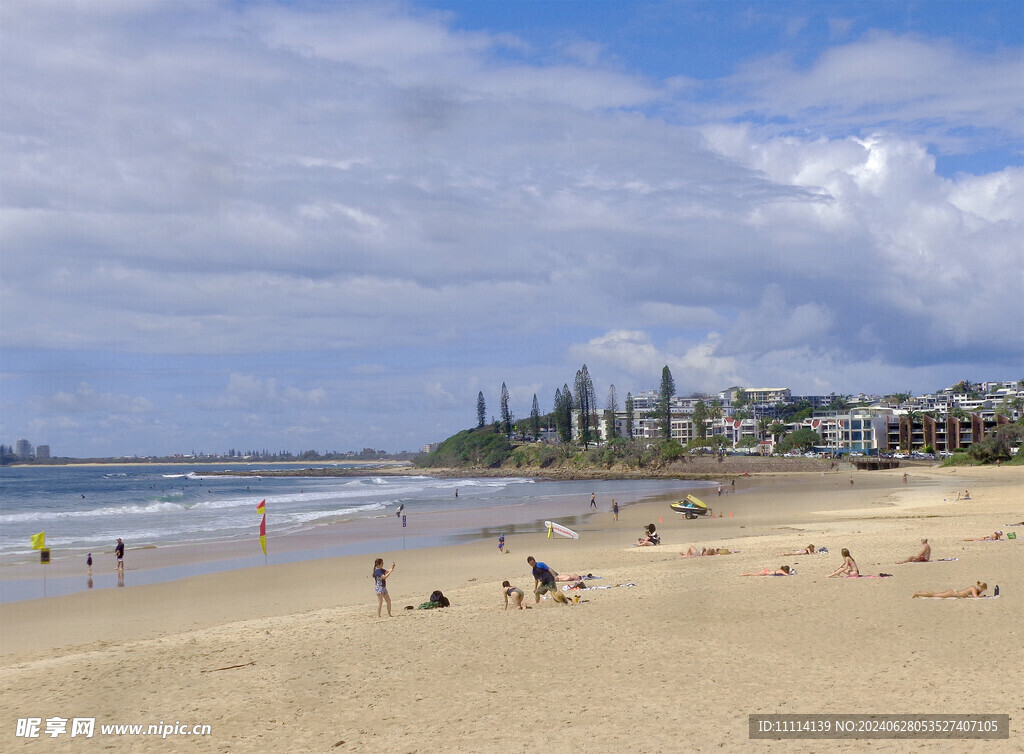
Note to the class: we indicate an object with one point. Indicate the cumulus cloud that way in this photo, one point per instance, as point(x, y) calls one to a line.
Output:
point(86, 399)
point(250, 393)
point(371, 185)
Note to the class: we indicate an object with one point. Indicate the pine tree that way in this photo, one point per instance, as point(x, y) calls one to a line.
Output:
point(629, 415)
point(506, 415)
point(481, 410)
point(700, 417)
point(611, 408)
point(535, 418)
point(585, 404)
point(668, 389)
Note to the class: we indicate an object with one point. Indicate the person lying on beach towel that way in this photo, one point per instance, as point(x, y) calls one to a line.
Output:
point(922, 557)
point(809, 550)
point(693, 551)
point(784, 570)
point(968, 592)
point(994, 537)
point(848, 568)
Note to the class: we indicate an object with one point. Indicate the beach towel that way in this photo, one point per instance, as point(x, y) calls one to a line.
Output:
point(968, 599)
point(943, 560)
point(871, 576)
point(592, 588)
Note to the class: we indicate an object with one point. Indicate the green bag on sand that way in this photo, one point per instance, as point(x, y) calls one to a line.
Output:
point(1012, 535)
point(429, 605)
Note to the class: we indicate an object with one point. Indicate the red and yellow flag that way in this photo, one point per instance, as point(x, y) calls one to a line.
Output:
point(261, 509)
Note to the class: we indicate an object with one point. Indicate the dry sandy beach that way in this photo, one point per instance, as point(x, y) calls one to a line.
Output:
point(294, 658)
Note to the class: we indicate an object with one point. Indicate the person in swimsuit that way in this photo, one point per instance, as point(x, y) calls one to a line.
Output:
point(921, 557)
point(994, 537)
point(593, 501)
point(513, 593)
point(848, 568)
point(88, 562)
point(694, 552)
point(615, 509)
point(809, 550)
point(501, 543)
point(968, 592)
point(119, 554)
point(380, 584)
point(780, 571)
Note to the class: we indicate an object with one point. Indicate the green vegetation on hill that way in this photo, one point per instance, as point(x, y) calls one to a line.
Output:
point(483, 447)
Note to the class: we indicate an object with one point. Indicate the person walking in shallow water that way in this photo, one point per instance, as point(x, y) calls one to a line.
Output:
point(380, 584)
point(119, 554)
point(593, 501)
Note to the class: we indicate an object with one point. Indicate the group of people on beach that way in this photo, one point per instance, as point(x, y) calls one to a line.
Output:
point(849, 568)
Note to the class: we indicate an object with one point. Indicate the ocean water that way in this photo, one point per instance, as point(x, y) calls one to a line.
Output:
point(85, 508)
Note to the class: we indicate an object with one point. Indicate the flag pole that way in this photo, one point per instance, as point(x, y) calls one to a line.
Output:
point(262, 509)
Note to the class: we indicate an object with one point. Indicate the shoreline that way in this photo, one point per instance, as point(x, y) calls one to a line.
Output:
point(293, 656)
point(25, 579)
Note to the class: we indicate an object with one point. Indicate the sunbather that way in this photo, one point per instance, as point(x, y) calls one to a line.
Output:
point(784, 570)
point(848, 568)
point(693, 551)
point(921, 557)
point(994, 537)
point(968, 592)
point(809, 550)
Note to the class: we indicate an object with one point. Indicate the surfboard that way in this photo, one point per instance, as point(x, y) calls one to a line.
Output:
point(563, 531)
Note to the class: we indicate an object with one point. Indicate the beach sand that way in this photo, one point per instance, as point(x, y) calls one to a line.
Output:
point(293, 657)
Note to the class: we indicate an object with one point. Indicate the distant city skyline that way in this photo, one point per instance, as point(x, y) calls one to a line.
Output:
point(330, 225)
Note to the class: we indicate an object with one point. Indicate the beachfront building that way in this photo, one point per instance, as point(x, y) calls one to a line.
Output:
point(944, 421)
point(42, 451)
point(23, 449)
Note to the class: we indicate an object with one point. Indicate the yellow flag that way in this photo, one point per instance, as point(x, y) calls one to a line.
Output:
point(39, 540)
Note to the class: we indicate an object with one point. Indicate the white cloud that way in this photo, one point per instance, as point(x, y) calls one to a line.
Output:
point(354, 191)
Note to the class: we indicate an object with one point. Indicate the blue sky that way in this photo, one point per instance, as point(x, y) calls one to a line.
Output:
point(328, 226)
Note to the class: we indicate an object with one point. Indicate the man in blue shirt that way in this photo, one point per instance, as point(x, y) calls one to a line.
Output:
point(543, 578)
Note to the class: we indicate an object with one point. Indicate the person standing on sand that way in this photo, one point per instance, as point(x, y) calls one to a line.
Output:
point(615, 509)
point(380, 584)
point(501, 544)
point(593, 501)
point(88, 563)
point(119, 554)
